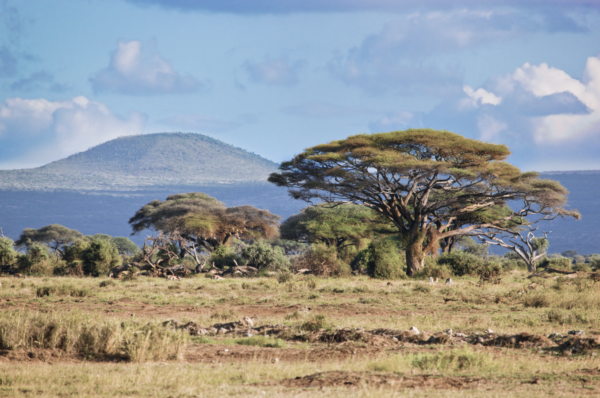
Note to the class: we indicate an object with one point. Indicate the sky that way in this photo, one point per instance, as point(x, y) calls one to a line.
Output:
point(277, 76)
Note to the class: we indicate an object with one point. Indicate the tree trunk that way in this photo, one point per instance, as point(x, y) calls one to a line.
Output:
point(531, 266)
point(415, 257)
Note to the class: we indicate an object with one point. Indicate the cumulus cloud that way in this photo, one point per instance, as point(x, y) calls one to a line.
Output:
point(291, 6)
point(549, 119)
point(274, 71)
point(404, 56)
point(567, 109)
point(34, 132)
point(135, 70)
point(323, 110)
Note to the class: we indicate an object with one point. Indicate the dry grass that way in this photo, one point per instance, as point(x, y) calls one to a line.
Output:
point(97, 325)
point(87, 337)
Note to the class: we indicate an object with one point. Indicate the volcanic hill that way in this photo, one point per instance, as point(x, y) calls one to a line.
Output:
point(145, 161)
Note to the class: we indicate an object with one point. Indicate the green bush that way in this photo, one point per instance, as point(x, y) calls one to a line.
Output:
point(433, 269)
point(36, 260)
point(559, 263)
point(322, 260)
point(74, 252)
point(461, 263)
point(8, 254)
point(261, 255)
point(223, 257)
point(385, 260)
point(490, 269)
point(100, 257)
point(360, 262)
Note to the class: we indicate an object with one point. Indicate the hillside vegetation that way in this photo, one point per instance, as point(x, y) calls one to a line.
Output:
point(150, 160)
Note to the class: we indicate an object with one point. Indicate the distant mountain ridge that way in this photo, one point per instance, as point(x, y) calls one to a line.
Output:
point(143, 161)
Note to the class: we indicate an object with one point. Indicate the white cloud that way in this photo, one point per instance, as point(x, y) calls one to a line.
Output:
point(134, 70)
point(56, 129)
point(479, 97)
point(274, 71)
point(544, 81)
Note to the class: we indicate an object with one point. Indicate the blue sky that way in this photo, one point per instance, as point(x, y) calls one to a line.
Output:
point(277, 76)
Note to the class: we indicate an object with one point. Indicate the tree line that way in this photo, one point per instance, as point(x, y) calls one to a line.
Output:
point(405, 203)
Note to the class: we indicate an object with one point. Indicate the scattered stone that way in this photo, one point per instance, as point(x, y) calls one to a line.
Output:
point(460, 335)
point(414, 330)
point(479, 340)
point(555, 336)
point(247, 321)
point(576, 332)
point(489, 331)
point(449, 331)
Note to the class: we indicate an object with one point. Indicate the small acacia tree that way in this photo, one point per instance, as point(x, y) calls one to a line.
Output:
point(338, 225)
point(423, 181)
point(529, 248)
point(55, 236)
point(203, 221)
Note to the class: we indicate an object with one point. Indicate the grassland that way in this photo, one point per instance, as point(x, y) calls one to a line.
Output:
point(99, 337)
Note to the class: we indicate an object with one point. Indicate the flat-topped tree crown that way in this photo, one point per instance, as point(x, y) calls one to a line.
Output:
point(203, 221)
point(431, 184)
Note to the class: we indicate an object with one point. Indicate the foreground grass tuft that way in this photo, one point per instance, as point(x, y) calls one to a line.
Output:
point(85, 336)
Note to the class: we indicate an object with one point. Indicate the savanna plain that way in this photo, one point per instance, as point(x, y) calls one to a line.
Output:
point(299, 336)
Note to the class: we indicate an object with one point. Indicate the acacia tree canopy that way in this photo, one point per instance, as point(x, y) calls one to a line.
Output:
point(204, 221)
point(423, 181)
point(335, 225)
point(55, 236)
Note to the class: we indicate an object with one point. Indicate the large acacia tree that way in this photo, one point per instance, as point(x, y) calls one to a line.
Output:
point(425, 182)
point(203, 221)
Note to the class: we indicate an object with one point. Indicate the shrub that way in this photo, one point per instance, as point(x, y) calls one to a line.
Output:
point(8, 254)
point(490, 269)
point(62, 290)
point(461, 263)
point(223, 256)
point(433, 269)
point(385, 261)
point(360, 262)
point(559, 263)
point(100, 257)
point(285, 277)
point(261, 255)
point(36, 260)
point(107, 283)
point(74, 252)
point(536, 301)
point(322, 260)
point(582, 267)
point(461, 359)
point(315, 323)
